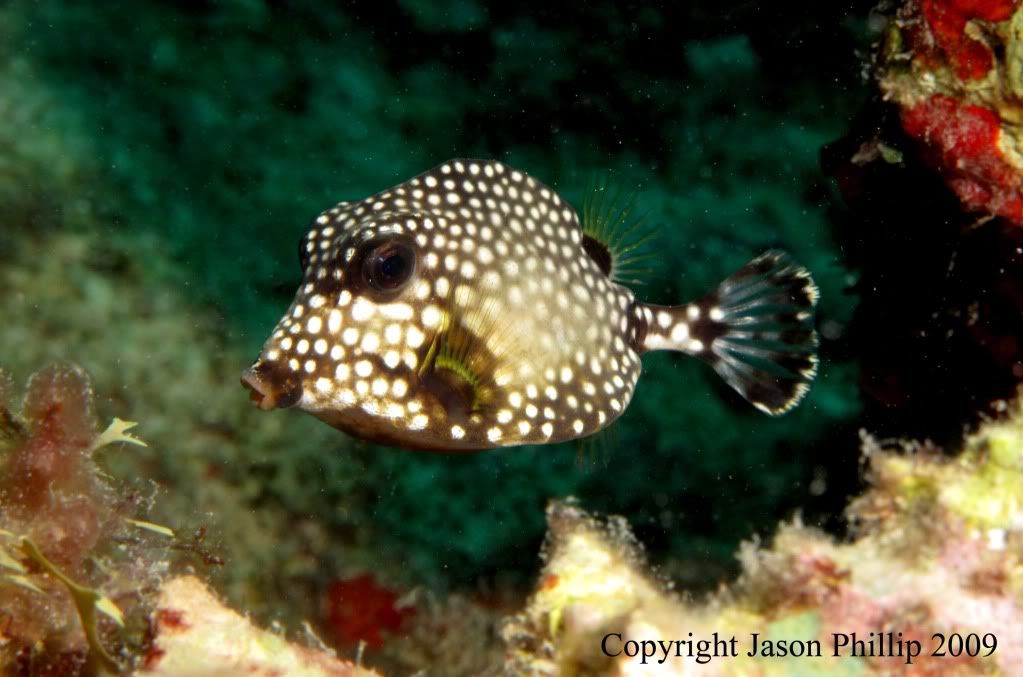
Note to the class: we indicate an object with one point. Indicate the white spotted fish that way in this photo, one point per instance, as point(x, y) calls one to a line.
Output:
point(467, 308)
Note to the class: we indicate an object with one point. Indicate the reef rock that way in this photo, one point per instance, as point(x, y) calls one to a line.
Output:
point(934, 568)
point(195, 634)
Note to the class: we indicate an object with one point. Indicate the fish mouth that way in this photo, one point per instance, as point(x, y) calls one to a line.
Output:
point(270, 388)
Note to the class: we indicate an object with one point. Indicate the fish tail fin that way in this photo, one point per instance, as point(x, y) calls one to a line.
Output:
point(756, 330)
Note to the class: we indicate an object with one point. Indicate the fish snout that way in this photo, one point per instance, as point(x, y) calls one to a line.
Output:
point(271, 387)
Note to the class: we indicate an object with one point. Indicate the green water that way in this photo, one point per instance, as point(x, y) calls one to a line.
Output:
point(159, 163)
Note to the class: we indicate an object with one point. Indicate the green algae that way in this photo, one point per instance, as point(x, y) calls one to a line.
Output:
point(88, 602)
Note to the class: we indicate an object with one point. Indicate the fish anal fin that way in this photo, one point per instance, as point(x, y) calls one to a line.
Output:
point(595, 451)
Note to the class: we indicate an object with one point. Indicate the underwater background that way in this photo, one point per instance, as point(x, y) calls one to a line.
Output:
point(159, 163)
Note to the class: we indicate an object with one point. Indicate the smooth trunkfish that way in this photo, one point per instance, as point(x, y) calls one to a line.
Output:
point(467, 308)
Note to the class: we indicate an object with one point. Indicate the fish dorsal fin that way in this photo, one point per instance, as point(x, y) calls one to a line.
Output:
point(615, 237)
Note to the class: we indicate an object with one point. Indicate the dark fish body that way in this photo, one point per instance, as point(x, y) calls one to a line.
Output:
point(467, 309)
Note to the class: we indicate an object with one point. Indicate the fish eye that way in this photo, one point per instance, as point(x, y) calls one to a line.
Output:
point(389, 266)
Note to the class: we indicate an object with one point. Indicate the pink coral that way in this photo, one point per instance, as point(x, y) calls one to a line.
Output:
point(49, 485)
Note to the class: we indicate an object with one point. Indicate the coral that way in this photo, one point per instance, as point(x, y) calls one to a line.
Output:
point(952, 66)
point(70, 544)
point(194, 635)
point(964, 140)
point(938, 548)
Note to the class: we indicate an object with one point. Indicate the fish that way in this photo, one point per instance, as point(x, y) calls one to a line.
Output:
point(468, 308)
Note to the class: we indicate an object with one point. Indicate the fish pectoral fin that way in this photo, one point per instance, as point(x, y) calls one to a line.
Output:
point(615, 235)
point(458, 371)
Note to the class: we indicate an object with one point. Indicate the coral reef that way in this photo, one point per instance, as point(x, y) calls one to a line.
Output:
point(953, 67)
point(938, 547)
point(73, 549)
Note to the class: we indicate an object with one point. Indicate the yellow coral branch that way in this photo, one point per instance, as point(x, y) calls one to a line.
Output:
point(117, 431)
